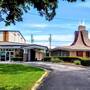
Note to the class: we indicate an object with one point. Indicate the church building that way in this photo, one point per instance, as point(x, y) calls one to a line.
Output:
point(13, 45)
point(80, 46)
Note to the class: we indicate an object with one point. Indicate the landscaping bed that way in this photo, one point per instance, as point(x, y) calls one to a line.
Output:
point(75, 60)
point(18, 77)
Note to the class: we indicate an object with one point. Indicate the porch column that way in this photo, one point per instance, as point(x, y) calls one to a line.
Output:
point(29, 55)
point(25, 55)
point(73, 53)
point(84, 54)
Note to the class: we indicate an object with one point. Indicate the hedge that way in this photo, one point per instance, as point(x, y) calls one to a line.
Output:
point(56, 60)
point(69, 58)
point(47, 58)
point(64, 58)
point(85, 62)
point(17, 59)
point(76, 60)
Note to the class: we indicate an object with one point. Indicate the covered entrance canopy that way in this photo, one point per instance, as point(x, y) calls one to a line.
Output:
point(34, 52)
point(28, 52)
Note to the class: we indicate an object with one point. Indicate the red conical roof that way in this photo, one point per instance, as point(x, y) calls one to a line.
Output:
point(81, 37)
point(81, 40)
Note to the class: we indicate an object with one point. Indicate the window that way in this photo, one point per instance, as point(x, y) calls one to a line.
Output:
point(12, 53)
point(14, 34)
point(64, 53)
point(88, 54)
point(79, 53)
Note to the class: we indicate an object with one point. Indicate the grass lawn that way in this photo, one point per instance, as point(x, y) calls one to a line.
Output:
point(18, 77)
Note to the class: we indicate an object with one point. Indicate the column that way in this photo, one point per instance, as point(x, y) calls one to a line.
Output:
point(24, 55)
point(84, 54)
point(29, 55)
point(73, 53)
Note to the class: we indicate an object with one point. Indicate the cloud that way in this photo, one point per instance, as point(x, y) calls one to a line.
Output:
point(85, 4)
point(35, 25)
point(62, 44)
point(7, 28)
point(54, 37)
point(62, 37)
point(41, 26)
point(57, 40)
point(41, 37)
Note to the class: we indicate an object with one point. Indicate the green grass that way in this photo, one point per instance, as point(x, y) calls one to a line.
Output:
point(18, 77)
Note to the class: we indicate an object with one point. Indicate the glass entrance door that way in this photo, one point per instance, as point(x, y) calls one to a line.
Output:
point(9, 55)
point(2, 55)
point(6, 54)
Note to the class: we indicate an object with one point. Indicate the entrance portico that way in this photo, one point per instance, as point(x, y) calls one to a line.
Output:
point(34, 52)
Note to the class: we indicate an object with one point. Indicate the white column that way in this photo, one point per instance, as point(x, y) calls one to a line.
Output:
point(29, 55)
point(25, 55)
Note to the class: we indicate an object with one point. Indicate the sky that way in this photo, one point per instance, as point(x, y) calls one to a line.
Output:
point(62, 27)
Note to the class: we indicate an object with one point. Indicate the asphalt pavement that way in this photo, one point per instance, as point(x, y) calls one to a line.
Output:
point(65, 77)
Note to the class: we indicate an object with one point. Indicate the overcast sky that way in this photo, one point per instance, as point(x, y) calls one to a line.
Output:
point(62, 27)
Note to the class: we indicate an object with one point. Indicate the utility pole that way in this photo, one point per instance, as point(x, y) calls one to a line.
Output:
point(32, 40)
point(50, 42)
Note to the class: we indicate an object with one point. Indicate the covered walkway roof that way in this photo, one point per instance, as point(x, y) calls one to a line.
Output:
point(21, 45)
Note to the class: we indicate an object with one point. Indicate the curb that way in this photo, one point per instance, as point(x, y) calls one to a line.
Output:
point(38, 82)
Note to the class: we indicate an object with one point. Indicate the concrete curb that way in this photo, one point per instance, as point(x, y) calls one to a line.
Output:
point(38, 82)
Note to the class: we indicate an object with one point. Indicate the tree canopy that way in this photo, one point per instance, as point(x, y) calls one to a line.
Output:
point(12, 10)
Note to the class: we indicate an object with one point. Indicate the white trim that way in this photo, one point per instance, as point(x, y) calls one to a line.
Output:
point(35, 47)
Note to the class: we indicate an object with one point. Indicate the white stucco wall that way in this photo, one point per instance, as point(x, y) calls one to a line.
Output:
point(16, 37)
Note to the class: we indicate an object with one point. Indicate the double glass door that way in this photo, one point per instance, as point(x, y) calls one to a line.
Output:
point(6, 56)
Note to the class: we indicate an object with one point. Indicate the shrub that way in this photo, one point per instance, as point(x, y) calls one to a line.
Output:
point(85, 62)
point(69, 58)
point(17, 59)
point(62, 58)
point(77, 62)
point(55, 59)
point(48, 59)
